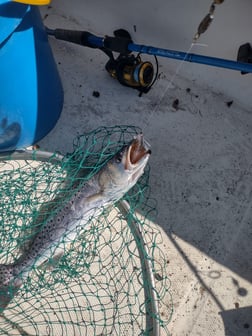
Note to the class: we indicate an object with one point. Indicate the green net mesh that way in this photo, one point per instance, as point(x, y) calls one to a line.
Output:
point(112, 279)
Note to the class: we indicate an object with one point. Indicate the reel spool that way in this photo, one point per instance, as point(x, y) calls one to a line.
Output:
point(131, 71)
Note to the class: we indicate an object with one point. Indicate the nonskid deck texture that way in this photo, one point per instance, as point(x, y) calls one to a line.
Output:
point(201, 154)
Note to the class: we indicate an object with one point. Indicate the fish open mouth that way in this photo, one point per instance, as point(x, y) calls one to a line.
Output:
point(138, 149)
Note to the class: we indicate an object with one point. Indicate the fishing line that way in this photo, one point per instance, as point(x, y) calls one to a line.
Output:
point(171, 82)
point(199, 44)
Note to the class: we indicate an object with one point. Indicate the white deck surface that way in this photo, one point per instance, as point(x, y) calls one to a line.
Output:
point(201, 163)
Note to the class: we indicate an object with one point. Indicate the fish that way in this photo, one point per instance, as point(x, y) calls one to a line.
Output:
point(116, 177)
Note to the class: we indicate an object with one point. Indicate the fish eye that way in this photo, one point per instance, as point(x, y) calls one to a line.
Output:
point(118, 157)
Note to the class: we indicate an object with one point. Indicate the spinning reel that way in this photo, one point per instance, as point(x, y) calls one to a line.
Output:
point(129, 69)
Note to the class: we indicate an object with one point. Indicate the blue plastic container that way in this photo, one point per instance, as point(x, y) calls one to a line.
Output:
point(31, 94)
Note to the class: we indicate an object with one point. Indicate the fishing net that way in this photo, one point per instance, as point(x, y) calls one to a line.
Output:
point(111, 280)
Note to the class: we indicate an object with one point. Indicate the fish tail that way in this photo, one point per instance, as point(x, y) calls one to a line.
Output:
point(9, 284)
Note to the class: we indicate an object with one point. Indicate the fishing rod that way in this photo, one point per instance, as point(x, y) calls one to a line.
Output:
point(130, 70)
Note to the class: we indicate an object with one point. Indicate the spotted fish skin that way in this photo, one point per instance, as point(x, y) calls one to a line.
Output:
point(105, 188)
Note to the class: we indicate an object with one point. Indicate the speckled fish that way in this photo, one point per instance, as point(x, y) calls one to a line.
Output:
point(107, 186)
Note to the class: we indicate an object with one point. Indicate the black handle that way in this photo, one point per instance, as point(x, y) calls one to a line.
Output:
point(74, 36)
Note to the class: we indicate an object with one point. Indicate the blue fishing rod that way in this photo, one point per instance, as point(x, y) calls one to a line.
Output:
point(131, 71)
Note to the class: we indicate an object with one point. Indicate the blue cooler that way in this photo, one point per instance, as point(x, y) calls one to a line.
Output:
point(31, 94)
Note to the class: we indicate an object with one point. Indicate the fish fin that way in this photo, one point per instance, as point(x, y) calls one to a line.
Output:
point(9, 284)
point(96, 200)
point(51, 263)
